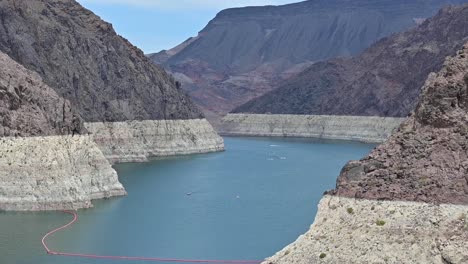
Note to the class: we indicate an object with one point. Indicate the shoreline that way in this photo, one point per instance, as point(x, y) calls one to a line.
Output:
point(350, 128)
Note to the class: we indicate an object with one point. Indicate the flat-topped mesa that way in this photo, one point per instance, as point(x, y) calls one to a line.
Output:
point(246, 52)
point(407, 202)
point(426, 160)
point(45, 164)
point(384, 80)
point(105, 78)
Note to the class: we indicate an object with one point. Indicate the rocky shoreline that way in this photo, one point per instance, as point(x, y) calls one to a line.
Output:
point(407, 201)
point(136, 141)
point(348, 230)
point(355, 128)
point(54, 173)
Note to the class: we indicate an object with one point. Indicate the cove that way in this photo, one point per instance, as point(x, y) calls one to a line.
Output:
point(245, 203)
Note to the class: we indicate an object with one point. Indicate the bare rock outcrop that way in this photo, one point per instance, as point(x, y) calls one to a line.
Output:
point(28, 107)
point(245, 52)
point(137, 141)
point(356, 128)
point(54, 173)
point(407, 202)
point(105, 77)
point(384, 80)
point(44, 163)
point(426, 160)
point(79, 55)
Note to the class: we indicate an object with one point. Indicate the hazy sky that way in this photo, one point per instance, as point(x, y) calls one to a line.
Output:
point(153, 25)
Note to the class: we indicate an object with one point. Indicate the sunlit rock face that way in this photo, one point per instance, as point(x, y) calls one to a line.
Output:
point(103, 76)
point(245, 52)
point(47, 160)
point(384, 80)
point(407, 202)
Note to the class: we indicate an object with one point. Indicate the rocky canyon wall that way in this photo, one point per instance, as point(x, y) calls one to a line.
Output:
point(357, 128)
point(407, 201)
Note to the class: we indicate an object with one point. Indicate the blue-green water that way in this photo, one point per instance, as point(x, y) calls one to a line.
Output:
point(245, 203)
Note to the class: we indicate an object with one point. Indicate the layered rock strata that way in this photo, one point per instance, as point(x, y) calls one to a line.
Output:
point(54, 173)
point(245, 52)
point(348, 230)
point(105, 78)
point(384, 80)
point(44, 163)
point(407, 202)
point(136, 141)
point(356, 128)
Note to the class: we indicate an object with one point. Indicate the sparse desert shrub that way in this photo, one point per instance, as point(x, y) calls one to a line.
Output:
point(322, 255)
point(350, 210)
point(380, 222)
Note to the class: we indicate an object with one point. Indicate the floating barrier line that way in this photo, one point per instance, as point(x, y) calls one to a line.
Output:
point(91, 256)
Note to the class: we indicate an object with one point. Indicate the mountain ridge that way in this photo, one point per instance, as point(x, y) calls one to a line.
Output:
point(384, 80)
point(245, 52)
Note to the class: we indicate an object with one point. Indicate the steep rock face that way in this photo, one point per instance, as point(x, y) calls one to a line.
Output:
point(407, 202)
point(244, 52)
point(355, 128)
point(105, 78)
point(85, 61)
point(28, 107)
point(353, 231)
point(136, 141)
point(384, 80)
point(44, 164)
point(427, 158)
point(54, 173)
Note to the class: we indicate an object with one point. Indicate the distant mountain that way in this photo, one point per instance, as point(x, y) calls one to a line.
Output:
point(384, 80)
point(80, 56)
point(245, 52)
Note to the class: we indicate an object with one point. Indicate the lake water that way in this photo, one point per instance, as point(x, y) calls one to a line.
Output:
point(245, 203)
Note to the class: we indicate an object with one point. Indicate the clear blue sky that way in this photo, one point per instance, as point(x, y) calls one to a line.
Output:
point(153, 25)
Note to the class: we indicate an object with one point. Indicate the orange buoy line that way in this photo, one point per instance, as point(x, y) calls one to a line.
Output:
point(75, 218)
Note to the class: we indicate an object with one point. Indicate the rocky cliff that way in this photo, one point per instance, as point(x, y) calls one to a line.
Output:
point(356, 128)
point(79, 55)
point(136, 141)
point(407, 202)
point(105, 78)
point(44, 163)
point(28, 107)
point(245, 52)
point(384, 80)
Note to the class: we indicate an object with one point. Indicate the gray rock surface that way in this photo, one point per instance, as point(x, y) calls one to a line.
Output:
point(54, 173)
point(384, 80)
point(353, 231)
point(136, 141)
point(80, 56)
point(44, 164)
point(245, 52)
point(427, 158)
point(356, 128)
point(28, 107)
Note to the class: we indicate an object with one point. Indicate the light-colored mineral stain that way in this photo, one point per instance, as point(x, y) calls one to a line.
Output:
point(245, 203)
